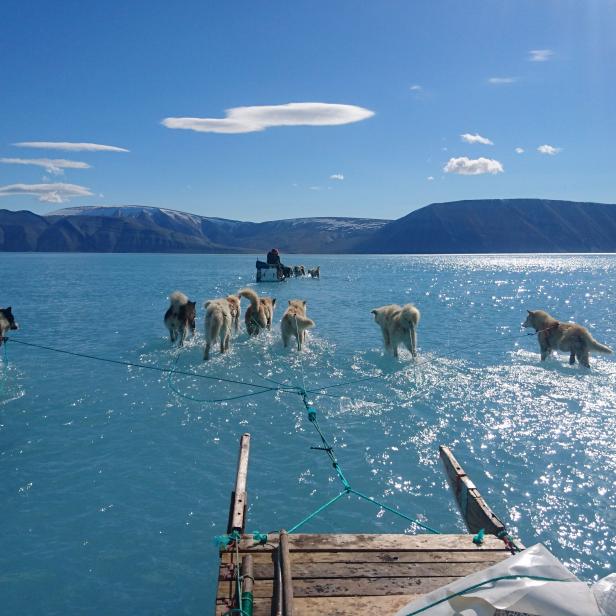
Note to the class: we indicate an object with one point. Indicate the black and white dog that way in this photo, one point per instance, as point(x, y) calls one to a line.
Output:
point(7, 322)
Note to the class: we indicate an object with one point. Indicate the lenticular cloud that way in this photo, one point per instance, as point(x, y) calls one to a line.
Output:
point(47, 193)
point(70, 146)
point(258, 118)
point(473, 166)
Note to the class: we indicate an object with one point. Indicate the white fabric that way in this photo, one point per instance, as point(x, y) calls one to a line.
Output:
point(522, 596)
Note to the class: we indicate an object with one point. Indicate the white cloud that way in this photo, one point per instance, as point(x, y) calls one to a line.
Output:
point(336, 176)
point(69, 146)
point(498, 81)
point(416, 88)
point(476, 166)
point(314, 188)
point(430, 178)
point(260, 117)
point(54, 166)
point(519, 150)
point(540, 55)
point(47, 193)
point(475, 139)
point(550, 150)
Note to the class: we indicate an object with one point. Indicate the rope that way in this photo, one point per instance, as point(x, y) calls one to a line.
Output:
point(173, 370)
point(137, 365)
point(537, 578)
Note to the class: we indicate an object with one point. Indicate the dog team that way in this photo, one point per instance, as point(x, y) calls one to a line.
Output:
point(398, 325)
point(222, 317)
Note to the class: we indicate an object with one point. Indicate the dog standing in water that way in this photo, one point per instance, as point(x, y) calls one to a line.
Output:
point(236, 311)
point(7, 322)
point(568, 337)
point(295, 323)
point(398, 326)
point(260, 313)
point(180, 317)
point(218, 321)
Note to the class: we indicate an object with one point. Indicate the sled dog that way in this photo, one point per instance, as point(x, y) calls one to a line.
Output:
point(260, 313)
point(180, 317)
point(568, 337)
point(295, 323)
point(398, 326)
point(7, 322)
point(218, 323)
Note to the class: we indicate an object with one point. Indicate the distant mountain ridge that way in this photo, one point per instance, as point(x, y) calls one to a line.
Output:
point(473, 226)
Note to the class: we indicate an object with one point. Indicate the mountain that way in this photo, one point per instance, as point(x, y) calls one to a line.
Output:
point(499, 225)
point(150, 229)
point(480, 226)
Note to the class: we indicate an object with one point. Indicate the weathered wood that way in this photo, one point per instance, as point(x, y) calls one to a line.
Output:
point(343, 606)
point(475, 511)
point(239, 498)
point(287, 579)
point(351, 587)
point(248, 573)
point(370, 542)
point(347, 556)
point(372, 570)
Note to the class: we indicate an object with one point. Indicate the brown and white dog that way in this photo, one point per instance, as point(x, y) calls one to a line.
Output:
point(180, 317)
point(568, 337)
point(218, 322)
point(398, 326)
point(7, 322)
point(260, 313)
point(295, 323)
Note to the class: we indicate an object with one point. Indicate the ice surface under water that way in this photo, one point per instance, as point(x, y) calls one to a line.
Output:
point(114, 486)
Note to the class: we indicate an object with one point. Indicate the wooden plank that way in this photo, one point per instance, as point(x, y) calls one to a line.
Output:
point(372, 570)
point(343, 606)
point(287, 578)
point(350, 587)
point(475, 511)
point(348, 556)
point(370, 542)
point(237, 513)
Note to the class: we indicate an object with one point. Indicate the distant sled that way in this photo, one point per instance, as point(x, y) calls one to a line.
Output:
point(269, 273)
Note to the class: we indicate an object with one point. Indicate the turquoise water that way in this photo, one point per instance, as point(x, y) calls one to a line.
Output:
point(113, 486)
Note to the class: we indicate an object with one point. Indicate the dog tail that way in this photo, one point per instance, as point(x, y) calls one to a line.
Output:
point(304, 322)
point(249, 294)
point(410, 314)
point(177, 299)
point(597, 347)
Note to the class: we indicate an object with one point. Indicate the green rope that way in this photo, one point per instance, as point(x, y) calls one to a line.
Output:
point(173, 371)
point(138, 365)
point(495, 579)
point(398, 513)
point(317, 511)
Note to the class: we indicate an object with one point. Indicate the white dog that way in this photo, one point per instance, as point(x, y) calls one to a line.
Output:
point(398, 326)
point(295, 323)
point(218, 321)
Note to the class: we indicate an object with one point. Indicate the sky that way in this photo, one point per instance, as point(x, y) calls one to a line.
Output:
point(267, 110)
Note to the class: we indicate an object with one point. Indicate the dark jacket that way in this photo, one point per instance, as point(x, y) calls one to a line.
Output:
point(273, 258)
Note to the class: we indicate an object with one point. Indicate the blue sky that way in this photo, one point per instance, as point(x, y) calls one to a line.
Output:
point(416, 75)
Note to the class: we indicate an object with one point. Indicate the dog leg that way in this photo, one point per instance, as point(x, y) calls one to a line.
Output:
point(299, 341)
point(583, 358)
point(572, 358)
point(182, 336)
point(206, 352)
